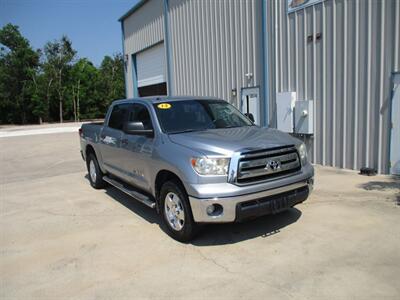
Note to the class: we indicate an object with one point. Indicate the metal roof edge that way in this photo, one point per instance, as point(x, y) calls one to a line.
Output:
point(132, 10)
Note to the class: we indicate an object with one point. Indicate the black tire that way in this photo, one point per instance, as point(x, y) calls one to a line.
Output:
point(189, 227)
point(97, 182)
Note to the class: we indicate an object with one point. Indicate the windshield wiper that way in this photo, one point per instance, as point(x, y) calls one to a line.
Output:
point(187, 130)
point(238, 126)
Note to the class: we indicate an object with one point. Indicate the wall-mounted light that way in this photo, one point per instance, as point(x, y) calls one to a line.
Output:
point(249, 76)
point(234, 92)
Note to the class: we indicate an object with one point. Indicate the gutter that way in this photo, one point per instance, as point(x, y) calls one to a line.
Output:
point(167, 47)
point(123, 55)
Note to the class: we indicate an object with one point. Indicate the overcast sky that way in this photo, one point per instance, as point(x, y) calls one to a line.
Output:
point(92, 25)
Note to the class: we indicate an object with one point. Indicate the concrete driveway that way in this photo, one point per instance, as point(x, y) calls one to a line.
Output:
point(62, 239)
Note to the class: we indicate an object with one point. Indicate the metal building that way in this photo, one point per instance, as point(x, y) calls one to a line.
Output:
point(269, 57)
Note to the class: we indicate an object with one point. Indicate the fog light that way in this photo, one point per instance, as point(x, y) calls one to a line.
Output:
point(210, 209)
point(214, 210)
point(310, 185)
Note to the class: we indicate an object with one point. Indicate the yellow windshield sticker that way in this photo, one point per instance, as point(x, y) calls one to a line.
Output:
point(164, 106)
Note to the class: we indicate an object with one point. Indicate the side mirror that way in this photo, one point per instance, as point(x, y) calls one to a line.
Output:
point(250, 116)
point(137, 128)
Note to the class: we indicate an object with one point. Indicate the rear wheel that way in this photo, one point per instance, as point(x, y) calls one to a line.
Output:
point(176, 212)
point(95, 174)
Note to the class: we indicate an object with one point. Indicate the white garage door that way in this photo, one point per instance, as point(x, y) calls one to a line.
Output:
point(150, 65)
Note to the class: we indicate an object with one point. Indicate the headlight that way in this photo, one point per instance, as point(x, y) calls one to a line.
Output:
point(210, 166)
point(303, 153)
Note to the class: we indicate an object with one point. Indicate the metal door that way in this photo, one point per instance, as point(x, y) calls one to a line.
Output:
point(250, 102)
point(395, 132)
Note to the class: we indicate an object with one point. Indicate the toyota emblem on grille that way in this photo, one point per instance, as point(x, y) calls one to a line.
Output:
point(274, 165)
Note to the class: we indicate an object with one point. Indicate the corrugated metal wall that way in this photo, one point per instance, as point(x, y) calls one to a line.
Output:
point(214, 44)
point(347, 72)
point(142, 29)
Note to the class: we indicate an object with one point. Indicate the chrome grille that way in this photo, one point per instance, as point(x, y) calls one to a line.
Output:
point(266, 164)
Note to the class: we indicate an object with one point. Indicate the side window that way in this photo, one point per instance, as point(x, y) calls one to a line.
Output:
point(117, 117)
point(139, 113)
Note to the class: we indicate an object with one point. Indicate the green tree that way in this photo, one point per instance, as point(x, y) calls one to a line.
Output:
point(18, 63)
point(111, 81)
point(84, 90)
point(49, 85)
point(59, 57)
point(39, 96)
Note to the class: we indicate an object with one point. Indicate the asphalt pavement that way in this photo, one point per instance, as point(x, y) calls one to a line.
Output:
point(62, 239)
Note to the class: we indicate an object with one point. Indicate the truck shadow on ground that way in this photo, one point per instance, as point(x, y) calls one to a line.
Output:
point(133, 205)
point(231, 233)
point(215, 234)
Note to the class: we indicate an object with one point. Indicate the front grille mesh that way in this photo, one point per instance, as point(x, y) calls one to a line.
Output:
point(263, 165)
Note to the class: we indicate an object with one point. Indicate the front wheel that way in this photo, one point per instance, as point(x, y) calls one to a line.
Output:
point(176, 212)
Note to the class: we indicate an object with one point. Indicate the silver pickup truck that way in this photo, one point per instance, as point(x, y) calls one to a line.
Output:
point(195, 160)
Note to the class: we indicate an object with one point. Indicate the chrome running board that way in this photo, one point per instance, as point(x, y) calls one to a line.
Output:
point(131, 192)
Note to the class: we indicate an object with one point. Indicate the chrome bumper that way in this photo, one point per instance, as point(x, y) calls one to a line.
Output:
point(229, 204)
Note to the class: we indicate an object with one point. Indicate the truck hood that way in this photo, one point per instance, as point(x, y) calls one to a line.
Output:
point(228, 140)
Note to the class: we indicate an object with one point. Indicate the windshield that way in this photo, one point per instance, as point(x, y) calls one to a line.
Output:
point(195, 115)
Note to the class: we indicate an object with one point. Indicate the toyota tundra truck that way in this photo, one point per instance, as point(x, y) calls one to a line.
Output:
point(195, 160)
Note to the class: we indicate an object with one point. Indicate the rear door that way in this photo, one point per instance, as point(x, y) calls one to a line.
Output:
point(110, 140)
point(137, 150)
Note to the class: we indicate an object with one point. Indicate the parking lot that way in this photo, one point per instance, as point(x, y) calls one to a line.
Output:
point(60, 238)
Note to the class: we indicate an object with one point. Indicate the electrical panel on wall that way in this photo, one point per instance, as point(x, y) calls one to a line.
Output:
point(304, 117)
point(285, 103)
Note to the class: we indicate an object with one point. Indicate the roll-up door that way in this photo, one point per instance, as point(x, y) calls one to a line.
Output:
point(151, 74)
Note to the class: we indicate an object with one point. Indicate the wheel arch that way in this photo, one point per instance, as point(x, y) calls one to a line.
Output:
point(164, 176)
point(90, 149)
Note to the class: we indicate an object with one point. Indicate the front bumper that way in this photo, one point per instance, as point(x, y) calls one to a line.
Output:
point(237, 208)
point(83, 156)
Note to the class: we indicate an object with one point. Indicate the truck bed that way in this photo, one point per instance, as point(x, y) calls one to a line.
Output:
point(90, 131)
point(100, 123)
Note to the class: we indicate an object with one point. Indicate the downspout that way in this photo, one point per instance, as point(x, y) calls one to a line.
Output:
point(134, 76)
point(265, 60)
point(123, 56)
point(167, 47)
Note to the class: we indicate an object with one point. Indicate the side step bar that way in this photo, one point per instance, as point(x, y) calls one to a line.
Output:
point(129, 191)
